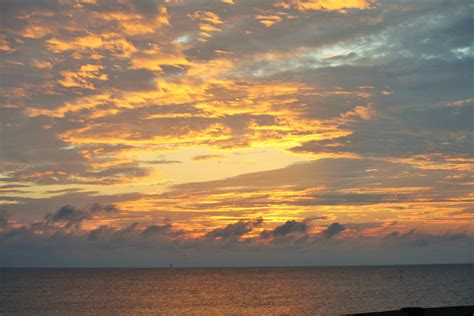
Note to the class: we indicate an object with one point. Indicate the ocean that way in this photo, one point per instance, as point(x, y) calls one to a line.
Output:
point(234, 291)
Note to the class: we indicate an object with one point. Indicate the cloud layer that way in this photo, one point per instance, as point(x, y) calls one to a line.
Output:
point(59, 240)
point(235, 122)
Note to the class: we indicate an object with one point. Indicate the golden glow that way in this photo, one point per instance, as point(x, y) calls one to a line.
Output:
point(327, 5)
point(150, 110)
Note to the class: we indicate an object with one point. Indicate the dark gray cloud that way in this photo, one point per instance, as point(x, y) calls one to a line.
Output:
point(50, 246)
point(3, 219)
point(415, 238)
point(156, 229)
point(26, 209)
point(70, 216)
point(333, 230)
point(393, 234)
point(96, 234)
point(234, 231)
point(290, 227)
point(26, 140)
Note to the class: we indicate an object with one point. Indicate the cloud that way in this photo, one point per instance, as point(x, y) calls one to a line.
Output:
point(290, 227)
point(97, 233)
point(70, 216)
point(333, 230)
point(161, 162)
point(466, 211)
point(415, 238)
point(393, 234)
point(234, 231)
point(3, 219)
point(206, 157)
point(345, 181)
point(155, 229)
point(326, 5)
point(98, 93)
point(131, 245)
point(136, 232)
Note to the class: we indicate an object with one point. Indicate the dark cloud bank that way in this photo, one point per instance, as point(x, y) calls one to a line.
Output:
point(61, 239)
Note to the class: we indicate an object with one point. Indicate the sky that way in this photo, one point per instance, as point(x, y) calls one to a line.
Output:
point(236, 133)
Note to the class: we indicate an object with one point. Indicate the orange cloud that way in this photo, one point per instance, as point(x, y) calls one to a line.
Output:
point(268, 20)
point(327, 5)
point(133, 24)
point(363, 112)
point(111, 42)
point(5, 45)
point(82, 78)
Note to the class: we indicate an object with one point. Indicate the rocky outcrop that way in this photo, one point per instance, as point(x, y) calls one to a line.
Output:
point(419, 311)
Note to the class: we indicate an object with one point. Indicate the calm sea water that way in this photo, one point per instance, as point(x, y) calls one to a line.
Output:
point(241, 291)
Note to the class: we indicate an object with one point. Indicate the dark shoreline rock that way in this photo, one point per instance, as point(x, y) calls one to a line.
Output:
point(419, 311)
